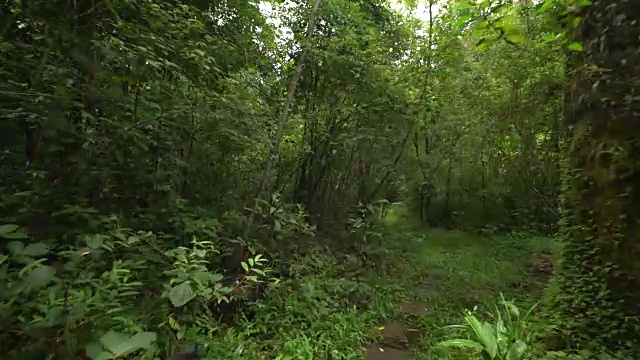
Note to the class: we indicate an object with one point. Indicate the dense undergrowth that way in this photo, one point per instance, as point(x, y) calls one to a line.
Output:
point(100, 300)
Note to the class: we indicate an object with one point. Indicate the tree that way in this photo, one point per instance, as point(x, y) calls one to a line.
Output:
point(599, 283)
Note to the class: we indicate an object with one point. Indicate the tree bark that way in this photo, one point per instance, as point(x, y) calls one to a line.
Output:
point(599, 287)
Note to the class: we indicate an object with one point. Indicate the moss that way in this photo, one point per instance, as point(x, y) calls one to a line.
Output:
point(598, 287)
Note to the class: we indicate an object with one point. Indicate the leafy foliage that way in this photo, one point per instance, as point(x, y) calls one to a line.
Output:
point(212, 161)
point(507, 339)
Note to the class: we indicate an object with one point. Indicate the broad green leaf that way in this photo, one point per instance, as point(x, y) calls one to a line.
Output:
point(41, 276)
point(94, 242)
point(465, 343)
point(115, 342)
point(546, 6)
point(7, 228)
point(511, 308)
point(575, 46)
point(245, 266)
point(35, 250)
point(517, 350)
point(225, 289)
point(485, 334)
point(203, 277)
point(482, 43)
point(95, 351)
point(518, 39)
point(491, 342)
point(181, 294)
point(464, 5)
point(10, 231)
point(141, 340)
point(15, 247)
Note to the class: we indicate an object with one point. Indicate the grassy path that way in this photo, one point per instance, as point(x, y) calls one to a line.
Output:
point(449, 271)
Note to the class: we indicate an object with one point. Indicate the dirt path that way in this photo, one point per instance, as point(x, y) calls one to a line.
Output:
point(446, 272)
point(398, 336)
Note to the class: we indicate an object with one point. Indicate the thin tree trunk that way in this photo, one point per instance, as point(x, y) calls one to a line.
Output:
point(282, 121)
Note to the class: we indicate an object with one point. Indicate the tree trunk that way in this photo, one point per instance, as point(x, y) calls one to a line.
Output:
point(599, 287)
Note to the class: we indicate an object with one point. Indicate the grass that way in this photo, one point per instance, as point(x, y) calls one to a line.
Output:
point(473, 271)
point(330, 311)
point(470, 271)
point(334, 309)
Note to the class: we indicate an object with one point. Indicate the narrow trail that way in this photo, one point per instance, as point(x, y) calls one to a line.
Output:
point(398, 336)
point(448, 272)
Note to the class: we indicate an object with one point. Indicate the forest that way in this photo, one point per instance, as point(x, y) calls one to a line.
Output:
point(320, 179)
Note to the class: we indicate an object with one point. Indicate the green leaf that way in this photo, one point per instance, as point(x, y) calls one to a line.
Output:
point(121, 344)
point(576, 22)
point(515, 38)
point(15, 247)
point(7, 228)
point(40, 276)
point(225, 290)
point(94, 242)
point(464, 5)
point(96, 352)
point(511, 308)
point(575, 46)
point(114, 341)
point(482, 43)
point(216, 277)
point(546, 6)
point(517, 350)
point(245, 266)
point(485, 334)
point(35, 250)
point(11, 231)
point(202, 277)
point(465, 343)
point(180, 295)
point(141, 340)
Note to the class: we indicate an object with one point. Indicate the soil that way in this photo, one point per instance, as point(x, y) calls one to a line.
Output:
point(397, 335)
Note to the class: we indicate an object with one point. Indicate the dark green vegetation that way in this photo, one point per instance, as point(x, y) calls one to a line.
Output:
point(301, 180)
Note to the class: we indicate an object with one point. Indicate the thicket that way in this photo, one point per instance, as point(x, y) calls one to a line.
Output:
point(177, 155)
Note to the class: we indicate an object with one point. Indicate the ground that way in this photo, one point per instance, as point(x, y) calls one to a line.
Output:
point(398, 306)
point(452, 271)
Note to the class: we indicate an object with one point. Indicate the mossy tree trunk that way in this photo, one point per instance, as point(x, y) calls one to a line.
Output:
point(599, 282)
